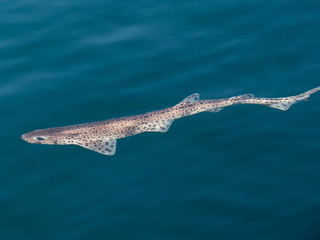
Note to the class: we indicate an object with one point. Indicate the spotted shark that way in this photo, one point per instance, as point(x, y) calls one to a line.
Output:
point(102, 136)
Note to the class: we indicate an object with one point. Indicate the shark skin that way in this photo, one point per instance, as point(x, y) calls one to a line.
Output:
point(102, 136)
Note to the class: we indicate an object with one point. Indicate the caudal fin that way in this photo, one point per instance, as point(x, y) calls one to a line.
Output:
point(285, 103)
point(284, 106)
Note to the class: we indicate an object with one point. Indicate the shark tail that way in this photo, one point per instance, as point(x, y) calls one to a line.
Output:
point(285, 103)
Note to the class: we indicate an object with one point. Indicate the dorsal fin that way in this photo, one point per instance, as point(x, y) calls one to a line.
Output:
point(244, 96)
point(191, 99)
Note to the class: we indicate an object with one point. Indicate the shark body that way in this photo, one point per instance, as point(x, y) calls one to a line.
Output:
point(101, 136)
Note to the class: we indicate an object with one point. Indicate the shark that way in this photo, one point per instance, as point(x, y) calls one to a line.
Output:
point(101, 136)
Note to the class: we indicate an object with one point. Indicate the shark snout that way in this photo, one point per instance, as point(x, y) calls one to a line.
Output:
point(26, 137)
point(23, 136)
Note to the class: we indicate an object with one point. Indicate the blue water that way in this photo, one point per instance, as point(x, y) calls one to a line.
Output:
point(247, 172)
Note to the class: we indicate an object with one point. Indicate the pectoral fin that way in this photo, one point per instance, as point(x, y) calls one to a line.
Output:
point(106, 147)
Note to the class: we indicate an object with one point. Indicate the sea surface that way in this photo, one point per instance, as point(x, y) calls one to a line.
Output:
point(247, 172)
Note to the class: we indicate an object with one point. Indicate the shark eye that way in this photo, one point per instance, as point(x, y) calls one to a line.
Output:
point(40, 138)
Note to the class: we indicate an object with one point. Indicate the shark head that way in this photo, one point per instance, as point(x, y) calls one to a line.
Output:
point(66, 135)
point(46, 136)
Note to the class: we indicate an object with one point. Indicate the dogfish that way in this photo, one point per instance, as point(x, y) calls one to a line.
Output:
point(102, 136)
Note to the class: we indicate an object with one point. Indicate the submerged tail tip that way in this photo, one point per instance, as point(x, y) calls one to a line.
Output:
point(314, 90)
